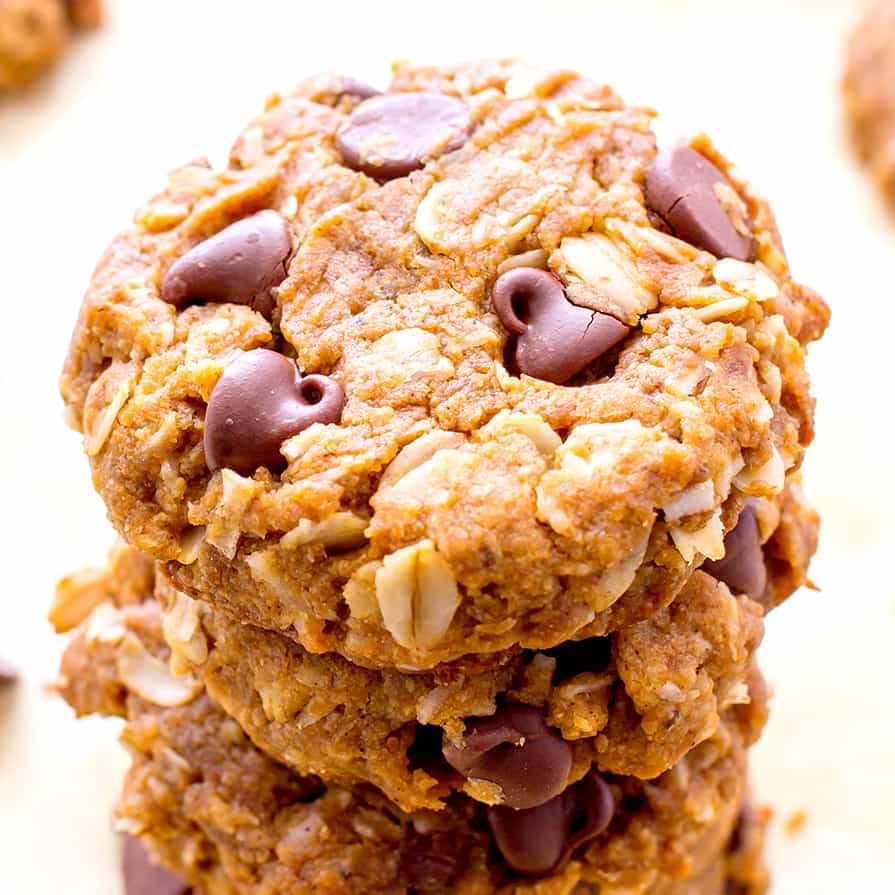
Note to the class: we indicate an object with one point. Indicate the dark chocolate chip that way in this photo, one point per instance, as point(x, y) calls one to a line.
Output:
point(260, 401)
point(540, 840)
point(241, 264)
point(391, 135)
point(142, 876)
point(579, 656)
point(554, 338)
point(681, 188)
point(9, 674)
point(516, 750)
point(742, 568)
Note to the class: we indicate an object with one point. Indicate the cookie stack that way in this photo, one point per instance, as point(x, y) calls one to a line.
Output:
point(454, 433)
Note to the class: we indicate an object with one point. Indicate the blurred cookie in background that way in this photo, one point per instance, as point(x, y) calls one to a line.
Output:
point(869, 92)
point(34, 34)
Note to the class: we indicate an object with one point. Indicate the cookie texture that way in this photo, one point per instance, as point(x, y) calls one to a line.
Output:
point(226, 818)
point(34, 33)
point(522, 406)
point(633, 702)
point(869, 95)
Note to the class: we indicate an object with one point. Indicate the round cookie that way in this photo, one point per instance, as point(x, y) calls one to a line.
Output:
point(34, 33)
point(869, 95)
point(554, 407)
point(228, 819)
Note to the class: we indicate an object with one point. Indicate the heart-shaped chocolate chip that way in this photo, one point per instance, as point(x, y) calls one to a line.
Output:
point(517, 751)
point(541, 840)
point(241, 264)
point(260, 401)
point(391, 135)
point(554, 338)
point(682, 187)
point(742, 568)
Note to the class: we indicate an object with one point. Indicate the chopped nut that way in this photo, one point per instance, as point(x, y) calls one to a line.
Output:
point(104, 625)
point(417, 595)
point(764, 481)
point(697, 498)
point(340, 531)
point(707, 540)
point(183, 633)
point(225, 525)
point(618, 578)
point(76, 597)
point(151, 678)
point(418, 452)
point(720, 310)
point(104, 402)
point(747, 280)
point(190, 544)
point(534, 258)
point(528, 424)
point(600, 276)
point(360, 591)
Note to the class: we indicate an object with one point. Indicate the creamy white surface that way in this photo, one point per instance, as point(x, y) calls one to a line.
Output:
point(166, 81)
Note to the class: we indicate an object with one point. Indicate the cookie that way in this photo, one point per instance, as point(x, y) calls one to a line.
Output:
point(226, 818)
point(633, 702)
point(465, 367)
point(868, 94)
point(34, 33)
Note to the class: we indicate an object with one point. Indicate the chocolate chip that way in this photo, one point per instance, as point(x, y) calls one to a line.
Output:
point(241, 264)
point(142, 876)
point(554, 338)
point(742, 568)
point(260, 401)
point(681, 187)
point(9, 674)
point(579, 656)
point(516, 750)
point(540, 840)
point(389, 136)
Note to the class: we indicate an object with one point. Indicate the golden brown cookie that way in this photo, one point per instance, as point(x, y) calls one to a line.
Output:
point(34, 33)
point(633, 702)
point(228, 819)
point(461, 368)
point(868, 90)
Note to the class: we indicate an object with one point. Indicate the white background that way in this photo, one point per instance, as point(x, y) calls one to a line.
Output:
point(168, 80)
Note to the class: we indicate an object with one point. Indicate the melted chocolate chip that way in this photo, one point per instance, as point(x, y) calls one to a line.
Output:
point(241, 264)
point(391, 135)
point(259, 402)
point(554, 338)
point(742, 568)
point(540, 840)
point(681, 187)
point(516, 750)
point(142, 876)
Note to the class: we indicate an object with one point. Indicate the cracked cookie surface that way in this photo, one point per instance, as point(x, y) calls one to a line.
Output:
point(458, 505)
